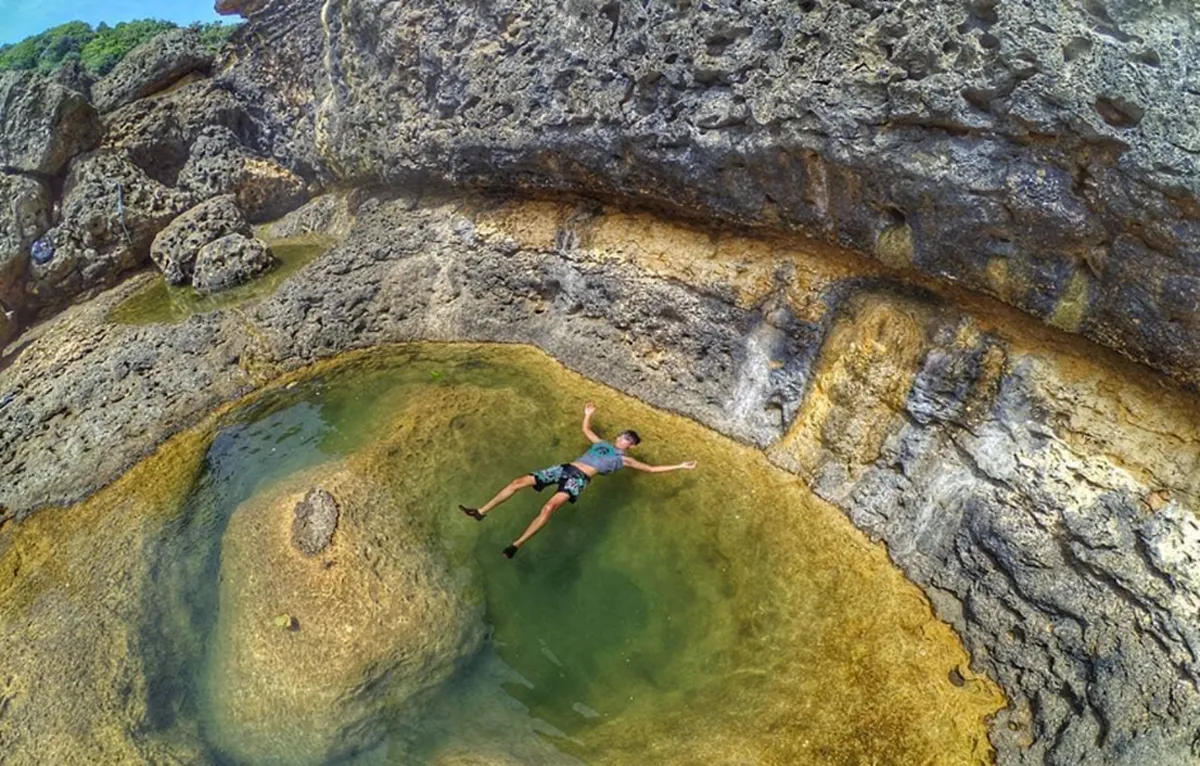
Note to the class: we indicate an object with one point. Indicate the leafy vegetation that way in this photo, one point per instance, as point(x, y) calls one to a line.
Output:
point(99, 49)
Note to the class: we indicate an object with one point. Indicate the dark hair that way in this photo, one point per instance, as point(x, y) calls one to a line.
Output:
point(631, 435)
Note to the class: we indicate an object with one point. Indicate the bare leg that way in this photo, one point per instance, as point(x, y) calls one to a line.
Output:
point(510, 489)
point(540, 520)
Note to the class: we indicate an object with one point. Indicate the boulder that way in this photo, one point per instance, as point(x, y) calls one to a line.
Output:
point(151, 67)
point(230, 261)
point(24, 216)
point(43, 124)
point(110, 213)
point(72, 76)
point(159, 130)
point(314, 522)
point(214, 163)
point(175, 248)
point(310, 652)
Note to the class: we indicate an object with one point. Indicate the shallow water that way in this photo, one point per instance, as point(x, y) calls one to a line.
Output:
point(723, 615)
point(159, 302)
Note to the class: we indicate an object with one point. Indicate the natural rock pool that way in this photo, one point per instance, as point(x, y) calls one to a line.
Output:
point(720, 615)
point(161, 302)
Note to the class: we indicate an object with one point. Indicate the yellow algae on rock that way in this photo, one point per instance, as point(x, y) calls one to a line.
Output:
point(857, 395)
point(74, 583)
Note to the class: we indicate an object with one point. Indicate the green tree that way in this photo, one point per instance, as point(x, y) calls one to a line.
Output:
point(99, 49)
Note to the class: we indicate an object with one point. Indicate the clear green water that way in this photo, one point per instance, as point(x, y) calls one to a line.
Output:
point(160, 303)
point(716, 616)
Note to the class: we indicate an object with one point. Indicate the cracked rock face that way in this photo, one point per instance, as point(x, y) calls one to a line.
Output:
point(230, 261)
point(151, 67)
point(175, 248)
point(1041, 152)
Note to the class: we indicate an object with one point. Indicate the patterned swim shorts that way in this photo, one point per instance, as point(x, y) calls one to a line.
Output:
point(568, 478)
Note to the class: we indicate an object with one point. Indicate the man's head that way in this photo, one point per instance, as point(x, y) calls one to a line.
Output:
point(627, 439)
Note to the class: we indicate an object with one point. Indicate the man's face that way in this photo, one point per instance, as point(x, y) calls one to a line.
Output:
point(624, 443)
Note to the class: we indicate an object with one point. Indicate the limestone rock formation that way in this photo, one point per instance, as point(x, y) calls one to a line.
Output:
point(315, 520)
point(24, 218)
point(175, 248)
point(151, 67)
point(229, 261)
point(1041, 152)
point(218, 163)
point(158, 131)
point(111, 211)
point(42, 124)
point(1041, 490)
point(375, 619)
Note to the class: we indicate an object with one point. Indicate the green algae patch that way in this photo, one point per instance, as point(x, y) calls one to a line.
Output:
point(714, 616)
point(160, 303)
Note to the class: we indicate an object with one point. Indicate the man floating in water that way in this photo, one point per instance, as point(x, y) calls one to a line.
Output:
point(570, 478)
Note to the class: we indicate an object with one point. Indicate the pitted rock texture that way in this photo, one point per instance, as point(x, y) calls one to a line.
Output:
point(229, 261)
point(25, 218)
point(159, 131)
point(42, 124)
point(111, 211)
point(151, 67)
point(175, 248)
point(1041, 152)
point(1042, 491)
point(314, 522)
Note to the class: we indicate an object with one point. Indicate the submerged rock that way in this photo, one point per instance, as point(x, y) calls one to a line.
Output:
point(316, 519)
point(42, 124)
point(309, 652)
point(174, 250)
point(230, 261)
point(151, 67)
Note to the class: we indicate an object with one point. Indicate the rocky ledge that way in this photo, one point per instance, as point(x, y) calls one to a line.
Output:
point(1043, 152)
point(1042, 491)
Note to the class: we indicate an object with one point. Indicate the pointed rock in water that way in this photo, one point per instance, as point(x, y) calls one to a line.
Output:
point(315, 520)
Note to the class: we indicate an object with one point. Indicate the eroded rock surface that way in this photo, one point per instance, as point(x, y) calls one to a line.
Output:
point(176, 247)
point(279, 688)
point(111, 211)
point(25, 218)
point(151, 67)
point(42, 124)
point(1042, 152)
point(230, 261)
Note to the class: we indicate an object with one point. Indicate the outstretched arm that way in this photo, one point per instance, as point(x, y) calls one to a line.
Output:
point(588, 411)
point(640, 466)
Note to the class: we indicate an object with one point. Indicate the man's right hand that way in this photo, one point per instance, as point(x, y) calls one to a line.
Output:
point(588, 409)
